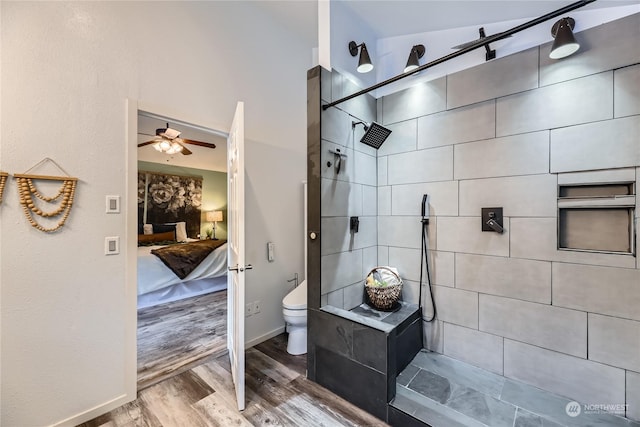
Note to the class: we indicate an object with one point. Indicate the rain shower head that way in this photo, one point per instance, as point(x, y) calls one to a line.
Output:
point(374, 134)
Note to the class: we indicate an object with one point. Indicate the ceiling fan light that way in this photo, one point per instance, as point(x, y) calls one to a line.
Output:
point(175, 148)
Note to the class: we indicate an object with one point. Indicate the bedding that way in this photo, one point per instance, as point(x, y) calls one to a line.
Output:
point(156, 279)
point(183, 259)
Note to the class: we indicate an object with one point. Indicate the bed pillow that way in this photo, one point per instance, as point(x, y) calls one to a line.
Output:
point(181, 230)
point(167, 236)
point(147, 229)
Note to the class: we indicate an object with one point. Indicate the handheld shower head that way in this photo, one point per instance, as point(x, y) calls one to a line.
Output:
point(374, 134)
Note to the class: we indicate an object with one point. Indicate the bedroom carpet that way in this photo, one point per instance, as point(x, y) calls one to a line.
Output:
point(175, 335)
point(277, 394)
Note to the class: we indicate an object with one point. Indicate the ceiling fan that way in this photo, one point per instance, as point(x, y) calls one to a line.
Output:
point(167, 140)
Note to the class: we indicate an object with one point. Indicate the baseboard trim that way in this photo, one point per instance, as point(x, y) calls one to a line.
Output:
point(261, 338)
point(96, 411)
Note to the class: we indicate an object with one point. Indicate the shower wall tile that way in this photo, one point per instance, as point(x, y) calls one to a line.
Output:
point(384, 200)
point(402, 138)
point(407, 261)
point(340, 198)
point(435, 164)
point(369, 200)
point(383, 255)
point(340, 270)
point(420, 100)
point(633, 395)
point(433, 334)
point(362, 107)
point(530, 195)
point(535, 324)
point(604, 47)
point(626, 91)
point(353, 295)
point(464, 124)
point(443, 198)
point(464, 234)
point(525, 154)
point(509, 277)
point(327, 156)
point(383, 170)
point(336, 126)
point(410, 291)
point(583, 100)
point(536, 238)
point(474, 347)
point(456, 306)
point(570, 145)
point(620, 348)
point(336, 298)
point(369, 260)
point(602, 290)
point(401, 231)
point(337, 236)
point(365, 169)
point(493, 79)
point(580, 379)
point(442, 268)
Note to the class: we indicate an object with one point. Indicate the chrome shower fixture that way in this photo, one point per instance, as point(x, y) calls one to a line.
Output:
point(374, 134)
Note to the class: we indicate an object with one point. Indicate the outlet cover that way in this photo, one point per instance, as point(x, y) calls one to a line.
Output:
point(256, 307)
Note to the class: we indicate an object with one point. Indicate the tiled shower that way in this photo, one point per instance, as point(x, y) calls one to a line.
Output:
point(510, 133)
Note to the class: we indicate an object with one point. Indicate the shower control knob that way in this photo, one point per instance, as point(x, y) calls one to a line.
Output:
point(313, 235)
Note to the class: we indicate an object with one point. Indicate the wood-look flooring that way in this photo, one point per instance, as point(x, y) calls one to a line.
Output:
point(175, 335)
point(277, 394)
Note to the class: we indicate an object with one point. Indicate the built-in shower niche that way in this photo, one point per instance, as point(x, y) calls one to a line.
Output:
point(353, 350)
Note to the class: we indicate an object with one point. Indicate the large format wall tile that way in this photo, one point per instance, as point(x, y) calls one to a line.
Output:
point(464, 234)
point(383, 170)
point(614, 341)
point(464, 124)
point(633, 395)
point(365, 169)
point(407, 261)
point(340, 270)
point(369, 200)
point(604, 47)
point(328, 164)
point(363, 107)
point(404, 232)
point(337, 236)
point(456, 306)
point(435, 164)
point(425, 98)
point(602, 145)
point(626, 91)
point(403, 138)
point(384, 200)
point(579, 379)
point(536, 238)
point(493, 79)
point(442, 268)
point(443, 198)
point(336, 126)
point(583, 100)
point(531, 195)
point(603, 290)
point(510, 277)
point(433, 333)
point(535, 324)
point(474, 347)
point(513, 155)
point(369, 259)
point(340, 198)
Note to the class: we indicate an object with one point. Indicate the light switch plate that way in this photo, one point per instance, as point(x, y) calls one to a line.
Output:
point(112, 245)
point(113, 204)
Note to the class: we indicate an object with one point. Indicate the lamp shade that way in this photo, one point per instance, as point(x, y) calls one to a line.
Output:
point(413, 62)
point(565, 43)
point(364, 63)
point(214, 216)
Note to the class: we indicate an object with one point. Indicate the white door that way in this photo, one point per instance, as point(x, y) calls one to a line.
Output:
point(237, 266)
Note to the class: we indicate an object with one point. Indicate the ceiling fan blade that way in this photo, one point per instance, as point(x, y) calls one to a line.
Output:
point(142, 144)
point(199, 143)
point(185, 150)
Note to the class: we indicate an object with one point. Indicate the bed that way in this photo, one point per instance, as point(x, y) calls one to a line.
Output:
point(158, 283)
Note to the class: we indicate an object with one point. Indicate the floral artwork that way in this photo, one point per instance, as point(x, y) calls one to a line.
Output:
point(170, 198)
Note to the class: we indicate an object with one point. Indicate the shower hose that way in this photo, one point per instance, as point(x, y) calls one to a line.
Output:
point(424, 262)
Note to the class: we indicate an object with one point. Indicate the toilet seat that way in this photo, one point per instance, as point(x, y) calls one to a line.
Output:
point(296, 299)
point(294, 313)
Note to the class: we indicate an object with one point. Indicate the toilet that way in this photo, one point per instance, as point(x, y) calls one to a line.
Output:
point(294, 309)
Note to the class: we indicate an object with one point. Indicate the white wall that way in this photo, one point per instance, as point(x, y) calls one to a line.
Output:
point(67, 70)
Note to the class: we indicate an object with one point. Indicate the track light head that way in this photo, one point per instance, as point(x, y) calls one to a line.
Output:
point(565, 43)
point(364, 62)
point(413, 62)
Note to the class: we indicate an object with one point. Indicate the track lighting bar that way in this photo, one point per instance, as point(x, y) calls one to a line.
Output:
point(480, 43)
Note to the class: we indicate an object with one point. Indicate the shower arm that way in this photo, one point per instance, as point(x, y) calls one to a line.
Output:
point(480, 43)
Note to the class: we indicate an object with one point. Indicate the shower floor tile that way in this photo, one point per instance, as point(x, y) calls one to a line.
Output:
point(441, 391)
